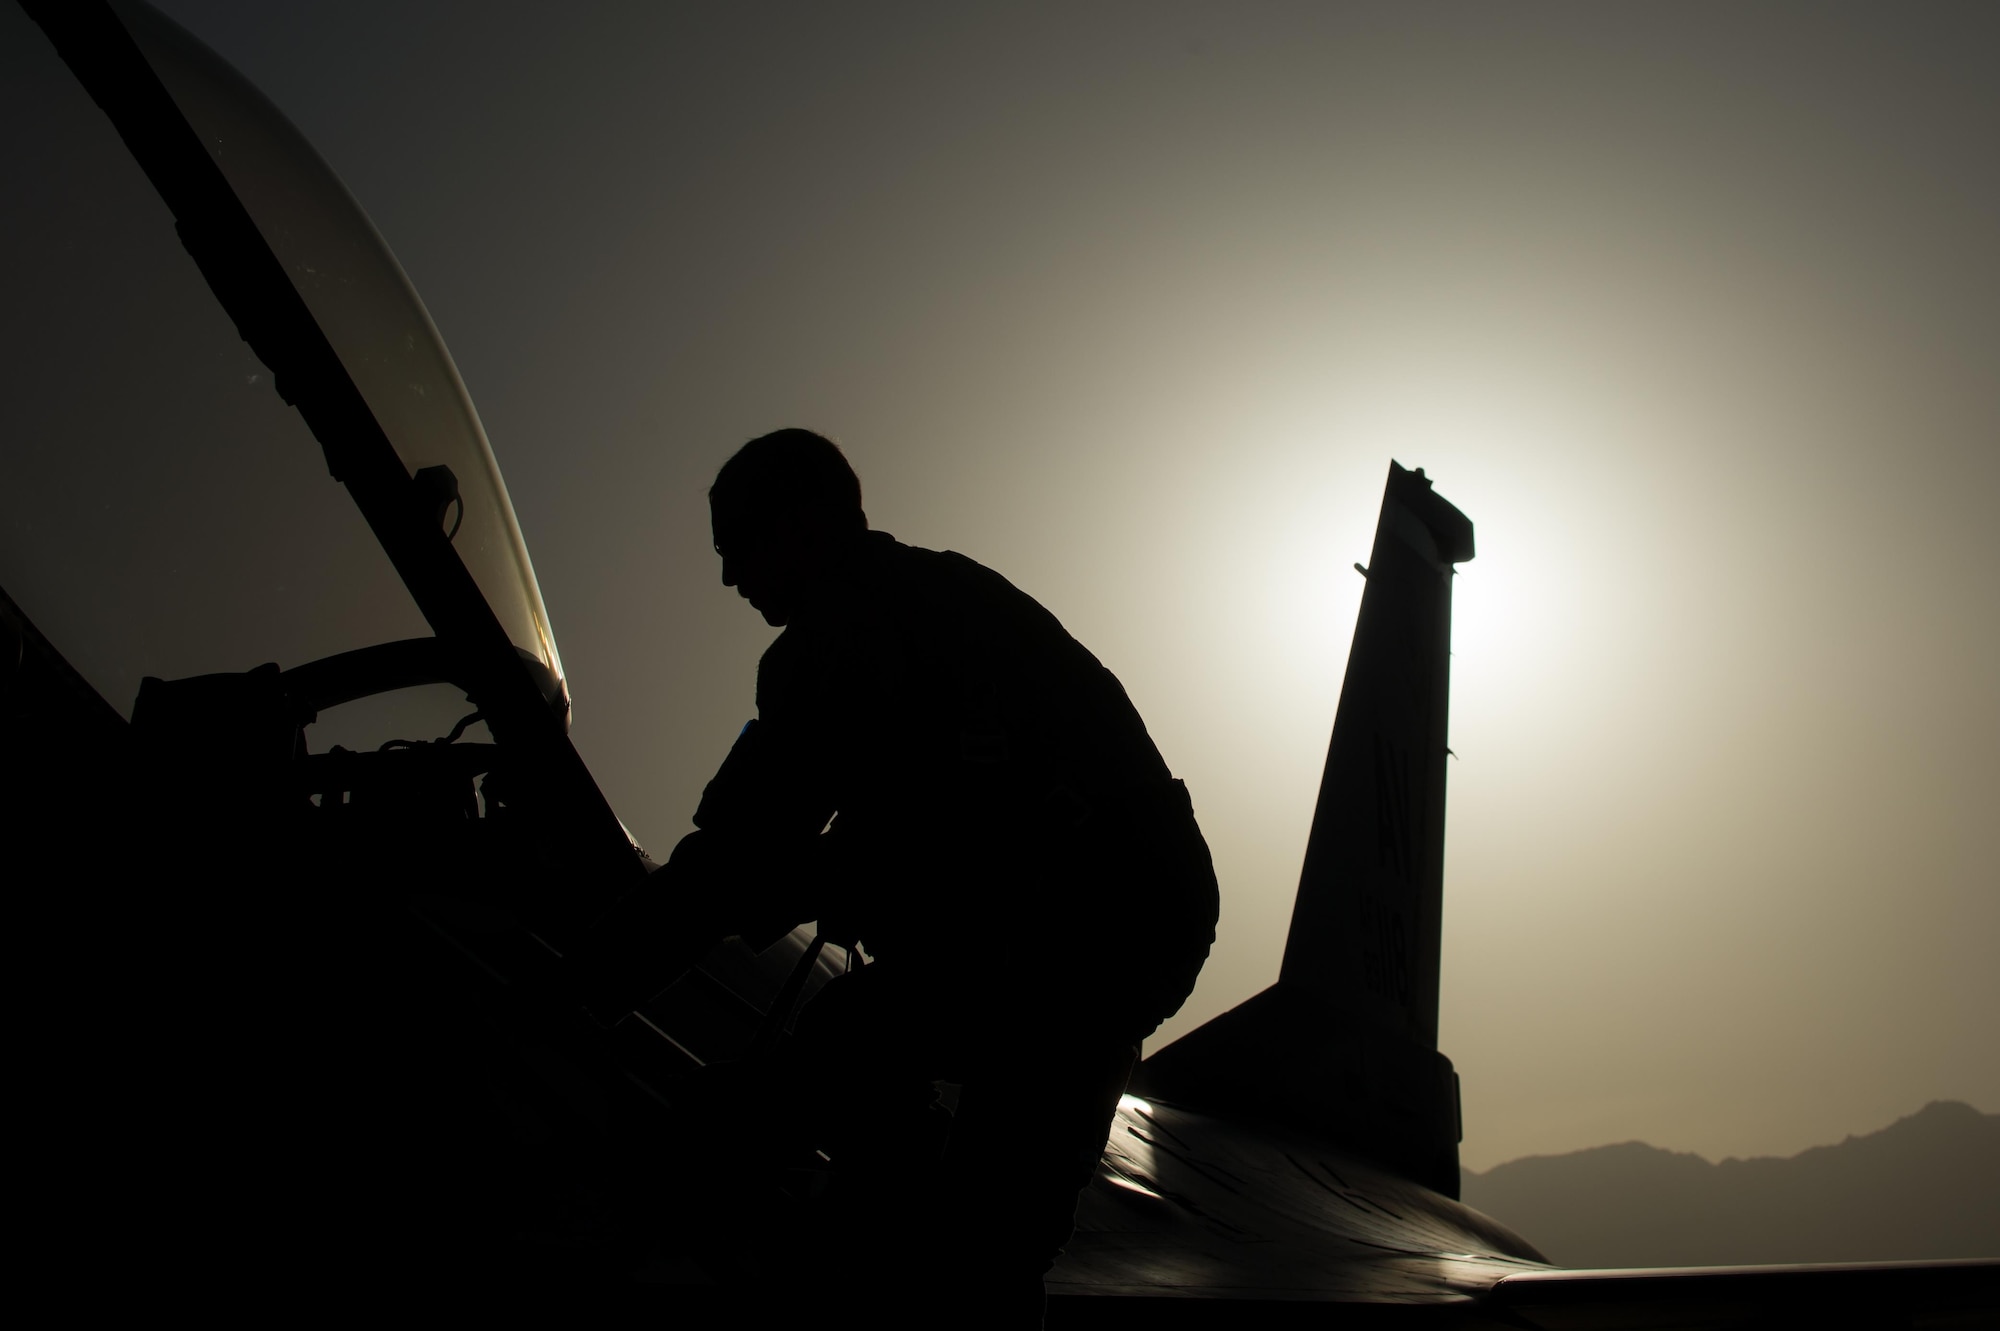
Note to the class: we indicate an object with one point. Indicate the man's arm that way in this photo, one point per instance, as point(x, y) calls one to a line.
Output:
point(747, 870)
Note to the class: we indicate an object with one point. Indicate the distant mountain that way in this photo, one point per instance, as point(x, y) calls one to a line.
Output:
point(1925, 1186)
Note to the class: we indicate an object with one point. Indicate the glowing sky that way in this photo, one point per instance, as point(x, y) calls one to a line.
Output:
point(1695, 310)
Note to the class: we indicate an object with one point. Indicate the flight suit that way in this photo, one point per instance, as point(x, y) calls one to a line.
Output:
point(1008, 847)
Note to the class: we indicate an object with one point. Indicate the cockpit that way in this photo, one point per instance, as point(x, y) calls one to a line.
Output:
point(169, 519)
point(264, 599)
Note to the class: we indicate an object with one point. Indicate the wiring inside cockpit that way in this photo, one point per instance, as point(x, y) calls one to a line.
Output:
point(465, 723)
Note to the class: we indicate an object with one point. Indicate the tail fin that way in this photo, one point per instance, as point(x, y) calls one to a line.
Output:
point(1345, 1043)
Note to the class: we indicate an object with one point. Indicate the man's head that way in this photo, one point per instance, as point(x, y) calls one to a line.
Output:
point(786, 509)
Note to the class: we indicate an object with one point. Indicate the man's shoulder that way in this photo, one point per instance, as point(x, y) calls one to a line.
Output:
point(885, 552)
point(916, 568)
point(918, 598)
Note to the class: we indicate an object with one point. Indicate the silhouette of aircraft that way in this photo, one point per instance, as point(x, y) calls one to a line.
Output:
point(293, 1015)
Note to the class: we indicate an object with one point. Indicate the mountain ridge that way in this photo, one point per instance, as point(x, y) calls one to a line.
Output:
point(1926, 1186)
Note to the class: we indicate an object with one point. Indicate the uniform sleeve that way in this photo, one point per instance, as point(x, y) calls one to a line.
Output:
point(780, 777)
point(755, 855)
point(769, 785)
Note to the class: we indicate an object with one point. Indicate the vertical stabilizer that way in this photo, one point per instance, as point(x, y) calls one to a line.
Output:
point(1365, 926)
point(1346, 1042)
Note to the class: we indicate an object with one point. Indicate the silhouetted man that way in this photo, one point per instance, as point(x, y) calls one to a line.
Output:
point(1005, 842)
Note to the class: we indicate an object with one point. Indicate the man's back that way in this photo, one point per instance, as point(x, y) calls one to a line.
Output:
point(925, 675)
point(977, 755)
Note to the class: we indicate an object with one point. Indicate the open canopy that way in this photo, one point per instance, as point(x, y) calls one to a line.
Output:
point(139, 424)
point(163, 512)
point(369, 312)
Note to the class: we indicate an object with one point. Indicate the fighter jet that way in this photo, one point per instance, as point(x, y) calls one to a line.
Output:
point(288, 1037)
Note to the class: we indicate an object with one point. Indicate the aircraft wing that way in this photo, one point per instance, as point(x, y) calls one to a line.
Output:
point(1197, 1221)
point(1885, 1294)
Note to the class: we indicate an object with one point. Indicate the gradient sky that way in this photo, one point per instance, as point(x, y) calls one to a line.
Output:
point(1694, 309)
